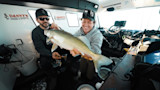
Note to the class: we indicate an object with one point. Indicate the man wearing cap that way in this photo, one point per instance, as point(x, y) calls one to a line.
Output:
point(44, 49)
point(95, 39)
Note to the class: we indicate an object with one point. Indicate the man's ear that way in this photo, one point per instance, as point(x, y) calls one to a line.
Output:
point(37, 20)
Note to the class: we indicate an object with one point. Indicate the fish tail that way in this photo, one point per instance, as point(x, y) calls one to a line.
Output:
point(101, 65)
point(102, 60)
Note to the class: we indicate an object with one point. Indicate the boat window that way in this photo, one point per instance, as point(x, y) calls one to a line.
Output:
point(72, 19)
point(32, 14)
point(136, 19)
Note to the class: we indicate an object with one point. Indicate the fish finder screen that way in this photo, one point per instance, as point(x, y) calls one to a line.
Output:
point(120, 23)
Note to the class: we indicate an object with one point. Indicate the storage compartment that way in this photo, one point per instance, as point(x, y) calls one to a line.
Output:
point(28, 67)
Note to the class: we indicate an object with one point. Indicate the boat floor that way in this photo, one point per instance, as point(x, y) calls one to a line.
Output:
point(117, 79)
point(67, 79)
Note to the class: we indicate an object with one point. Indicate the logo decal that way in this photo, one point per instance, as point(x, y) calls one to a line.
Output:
point(15, 16)
point(6, 16)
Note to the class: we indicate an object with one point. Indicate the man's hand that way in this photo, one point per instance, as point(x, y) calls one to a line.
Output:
point(54, 26)
point(56, 55)
point(87, 57)
point(74, 52)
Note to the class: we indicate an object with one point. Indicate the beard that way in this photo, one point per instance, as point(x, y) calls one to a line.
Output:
point(45, 25)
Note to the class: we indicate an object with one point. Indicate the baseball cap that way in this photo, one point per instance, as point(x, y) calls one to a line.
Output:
point(89, 15)
point(41, 12)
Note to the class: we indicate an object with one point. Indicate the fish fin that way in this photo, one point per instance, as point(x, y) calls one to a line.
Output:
point(101, 60)
point(49, 39)
point(61, 47)
point(101, 66)
point(54, 47)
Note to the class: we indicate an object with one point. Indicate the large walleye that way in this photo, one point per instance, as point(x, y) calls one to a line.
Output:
point(68, 41)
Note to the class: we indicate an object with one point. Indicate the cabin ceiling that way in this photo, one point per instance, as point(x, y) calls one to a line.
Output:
point(75, 4)
point(95, 5)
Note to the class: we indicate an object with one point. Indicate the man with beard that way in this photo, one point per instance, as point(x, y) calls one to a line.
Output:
point(47, 58)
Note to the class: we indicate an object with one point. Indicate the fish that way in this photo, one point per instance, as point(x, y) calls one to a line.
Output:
point(69, 42)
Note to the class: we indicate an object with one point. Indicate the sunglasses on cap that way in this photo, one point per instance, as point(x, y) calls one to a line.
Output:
point(42, 19)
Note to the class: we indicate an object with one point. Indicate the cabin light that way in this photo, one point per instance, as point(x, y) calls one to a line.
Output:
point(96, 6)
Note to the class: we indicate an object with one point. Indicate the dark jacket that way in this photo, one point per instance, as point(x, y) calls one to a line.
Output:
point(39, 41)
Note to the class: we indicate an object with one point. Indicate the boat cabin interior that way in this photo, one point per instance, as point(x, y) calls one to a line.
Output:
point(131, 40)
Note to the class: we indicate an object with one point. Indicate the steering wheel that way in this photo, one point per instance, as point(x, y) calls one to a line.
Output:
point(114, 29)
